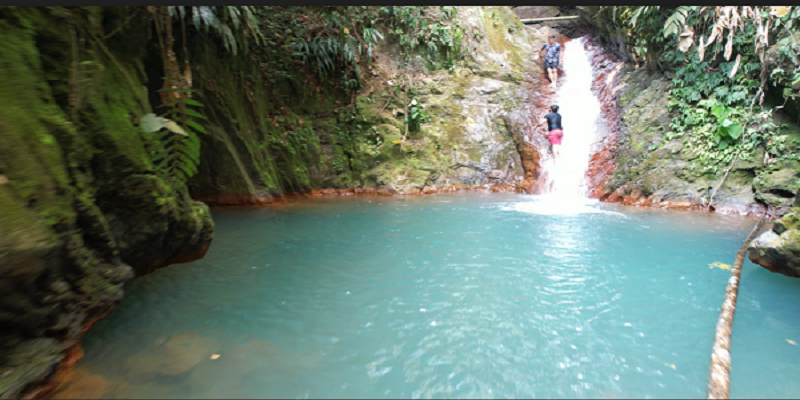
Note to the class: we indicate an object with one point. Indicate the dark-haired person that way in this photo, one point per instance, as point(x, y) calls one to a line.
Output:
point(553, 55)
point(554, 130)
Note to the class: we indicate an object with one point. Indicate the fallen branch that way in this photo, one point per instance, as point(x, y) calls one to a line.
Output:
point(535, 20)
point(719, 374)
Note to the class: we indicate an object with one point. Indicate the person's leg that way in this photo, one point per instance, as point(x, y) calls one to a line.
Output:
point(553, 76)
point(556, 153)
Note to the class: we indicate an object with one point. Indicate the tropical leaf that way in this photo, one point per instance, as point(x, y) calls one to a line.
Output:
point(676, 21)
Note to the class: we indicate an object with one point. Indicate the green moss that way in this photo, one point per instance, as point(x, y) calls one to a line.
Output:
point(30, 156)
point(496, 21)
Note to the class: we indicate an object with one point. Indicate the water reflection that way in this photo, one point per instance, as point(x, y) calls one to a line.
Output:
point(450, 296)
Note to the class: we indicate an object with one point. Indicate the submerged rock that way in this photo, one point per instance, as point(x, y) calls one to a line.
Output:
point(171, 357)
point(82, 384)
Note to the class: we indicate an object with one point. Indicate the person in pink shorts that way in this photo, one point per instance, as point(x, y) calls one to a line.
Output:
point(554, 131)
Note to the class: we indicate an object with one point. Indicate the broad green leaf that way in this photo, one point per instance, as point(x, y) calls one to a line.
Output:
point(734, 131)
point(717, 110)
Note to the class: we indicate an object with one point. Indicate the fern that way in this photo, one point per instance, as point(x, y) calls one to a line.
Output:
point(219, 20)
point(173, 144)
point(675, 22)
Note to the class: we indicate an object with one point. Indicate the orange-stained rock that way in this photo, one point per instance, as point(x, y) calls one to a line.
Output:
point(81, 384)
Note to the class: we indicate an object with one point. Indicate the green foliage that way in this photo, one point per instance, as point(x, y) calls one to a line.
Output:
point(727, 131)
point(641, 28)
point(416, 116)
point(174, 151)
point(432, 32)
point(335, 43)
point(338, 163)
point(233, 24)
point(674, 24)
point(712, 91)
point(788, 53)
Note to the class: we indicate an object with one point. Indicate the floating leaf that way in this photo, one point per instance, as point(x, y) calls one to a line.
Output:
point(214, 356)
point(792, 342)
point(717, 264)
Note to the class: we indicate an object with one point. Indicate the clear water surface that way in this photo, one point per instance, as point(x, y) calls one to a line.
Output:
point(479, 296)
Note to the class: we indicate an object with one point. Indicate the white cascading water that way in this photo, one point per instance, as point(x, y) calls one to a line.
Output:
point(579, 109)
point(580, 112)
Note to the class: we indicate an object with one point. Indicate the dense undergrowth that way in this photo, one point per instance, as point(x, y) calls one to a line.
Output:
point(727, 77)
point(304, 51)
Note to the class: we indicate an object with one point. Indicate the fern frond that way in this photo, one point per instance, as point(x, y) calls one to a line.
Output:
point(675, 22)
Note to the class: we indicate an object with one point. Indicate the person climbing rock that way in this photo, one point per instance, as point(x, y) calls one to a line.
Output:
point(554, 130)
point(553, 55)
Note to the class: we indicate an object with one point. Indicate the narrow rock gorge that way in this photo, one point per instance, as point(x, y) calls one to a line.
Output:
point(85, 210)
point(96, 189)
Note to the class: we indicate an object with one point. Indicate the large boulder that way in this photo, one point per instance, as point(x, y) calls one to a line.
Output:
point(778, 249)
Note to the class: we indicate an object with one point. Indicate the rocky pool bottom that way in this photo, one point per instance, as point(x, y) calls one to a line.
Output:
point(484, 295)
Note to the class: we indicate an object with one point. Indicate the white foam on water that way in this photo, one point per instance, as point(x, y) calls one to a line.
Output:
point(548, 204)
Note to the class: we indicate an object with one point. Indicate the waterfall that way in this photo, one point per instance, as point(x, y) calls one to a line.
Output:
point(566, 188)
point(579, 109)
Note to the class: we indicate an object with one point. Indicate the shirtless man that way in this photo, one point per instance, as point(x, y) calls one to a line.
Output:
point(554, 132)
point(553, 55)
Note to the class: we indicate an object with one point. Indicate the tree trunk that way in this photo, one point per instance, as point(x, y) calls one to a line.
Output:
point(719, 376)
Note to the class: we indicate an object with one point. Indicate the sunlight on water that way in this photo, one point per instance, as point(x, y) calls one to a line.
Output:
point(554, 204)
point(579, 109)
point(447, 296)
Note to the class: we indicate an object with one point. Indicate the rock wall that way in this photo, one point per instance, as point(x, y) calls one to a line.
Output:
point(83, 209)
point(630, 167)
point(466, 142)
point(646, 172)
point(778, 249)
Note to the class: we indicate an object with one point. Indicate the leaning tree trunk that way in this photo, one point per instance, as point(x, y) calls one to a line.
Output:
point(719, 376)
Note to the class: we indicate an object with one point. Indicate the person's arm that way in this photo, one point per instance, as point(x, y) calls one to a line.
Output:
point(560, 54)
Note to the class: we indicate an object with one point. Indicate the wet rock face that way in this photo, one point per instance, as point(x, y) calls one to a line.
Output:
point(81, 212)
point(465, 141)
point(648, 173)
point(778, 249)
